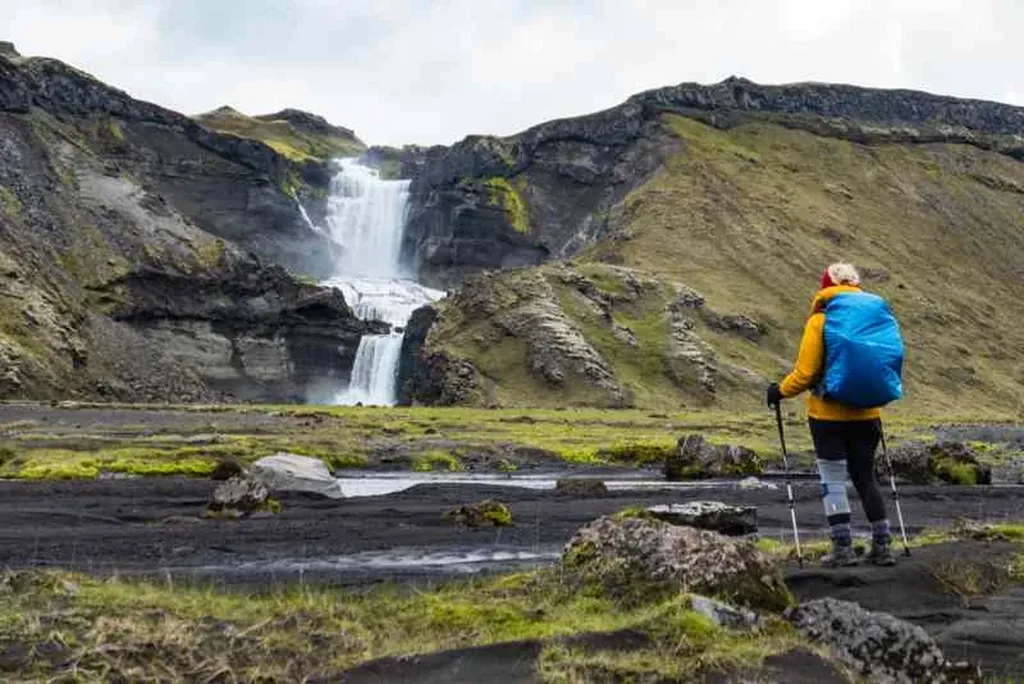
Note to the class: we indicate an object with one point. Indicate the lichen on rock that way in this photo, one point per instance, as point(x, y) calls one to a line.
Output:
point(637, 557)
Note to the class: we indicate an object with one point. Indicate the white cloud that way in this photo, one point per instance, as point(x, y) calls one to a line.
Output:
point(433, 71)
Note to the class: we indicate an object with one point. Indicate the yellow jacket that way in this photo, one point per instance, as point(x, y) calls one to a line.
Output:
point(810, 364)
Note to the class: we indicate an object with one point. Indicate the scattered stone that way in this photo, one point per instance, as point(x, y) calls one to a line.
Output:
point(751, 483)
point(716, 516)
point(878, 646)
point(953, 462)
point(697, 458)
point(284, 472)
point(635, 557)
point(724, 615)
point(580, 486)
point(482, 513)
point(226, 469)
point(239, 496)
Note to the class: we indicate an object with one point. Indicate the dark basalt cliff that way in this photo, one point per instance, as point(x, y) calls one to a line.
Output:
point(138, 250)
point(551, 191)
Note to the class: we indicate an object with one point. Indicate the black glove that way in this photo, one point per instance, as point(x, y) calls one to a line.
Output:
point(774, 395)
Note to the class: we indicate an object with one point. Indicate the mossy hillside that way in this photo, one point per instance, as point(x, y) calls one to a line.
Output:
point(749, 216)
point(140, 631)
point(282, 136)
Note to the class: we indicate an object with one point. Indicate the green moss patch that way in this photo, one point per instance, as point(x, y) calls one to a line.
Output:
point(503, 194)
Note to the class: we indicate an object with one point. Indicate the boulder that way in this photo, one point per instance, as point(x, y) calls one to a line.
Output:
point(716, 516)
point(636, 557)
point(696, 458)
point(241, 495)
point(953, 462)
point(284, 472)
point(480, 514)
point(581, 486)
point(878, 646)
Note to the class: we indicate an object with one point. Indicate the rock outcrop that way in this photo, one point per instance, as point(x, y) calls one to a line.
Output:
point(952, 462)
point(878, 646)
point(727, 519)
point(600, 334)
point(635, 556)
point(697, 458)
point(121, 271)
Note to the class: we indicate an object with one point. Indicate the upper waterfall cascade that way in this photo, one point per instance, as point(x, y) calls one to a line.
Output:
point(366, 217)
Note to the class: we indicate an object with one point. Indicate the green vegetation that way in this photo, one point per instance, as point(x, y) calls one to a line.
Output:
point(437, 459)
point(482, 513)
point(354, 437)
point(10, 205)
point(504, 195)
point(136, 631)
point(287, 140)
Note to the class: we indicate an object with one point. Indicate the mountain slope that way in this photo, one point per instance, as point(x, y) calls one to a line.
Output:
point(120, 273)
point(745, 212)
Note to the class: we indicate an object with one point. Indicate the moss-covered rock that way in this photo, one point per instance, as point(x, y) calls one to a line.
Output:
point(636, 558)
point(952, 462)
point(481, 514)
point(696, 458)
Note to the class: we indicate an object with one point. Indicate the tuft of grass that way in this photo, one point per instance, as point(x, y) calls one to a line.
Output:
point(437, 459)
point(144, 631)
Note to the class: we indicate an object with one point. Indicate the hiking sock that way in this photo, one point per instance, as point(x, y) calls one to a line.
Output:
point(833, 490)
point(880, 533)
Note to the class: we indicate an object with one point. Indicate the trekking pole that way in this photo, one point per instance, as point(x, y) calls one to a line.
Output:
point(895, 492)
point(789, 485)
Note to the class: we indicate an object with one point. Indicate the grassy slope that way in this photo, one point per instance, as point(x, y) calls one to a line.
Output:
point(282, 136)
point(749, 217)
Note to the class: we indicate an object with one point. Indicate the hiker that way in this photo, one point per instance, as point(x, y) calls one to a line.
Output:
point(845, 436)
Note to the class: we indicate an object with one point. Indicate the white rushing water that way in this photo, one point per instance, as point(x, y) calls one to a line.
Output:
point(366, 216)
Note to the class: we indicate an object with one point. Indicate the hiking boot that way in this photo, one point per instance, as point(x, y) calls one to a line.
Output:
point(842, 555)
point(881, 554)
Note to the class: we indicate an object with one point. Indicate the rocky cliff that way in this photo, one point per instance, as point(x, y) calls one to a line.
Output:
point(126, 271)
point(740, 193)
point(550, 191)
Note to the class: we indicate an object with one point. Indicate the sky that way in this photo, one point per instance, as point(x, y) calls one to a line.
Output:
point(432, 72)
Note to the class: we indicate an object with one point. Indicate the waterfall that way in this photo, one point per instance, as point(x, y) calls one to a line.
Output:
point(366, 217)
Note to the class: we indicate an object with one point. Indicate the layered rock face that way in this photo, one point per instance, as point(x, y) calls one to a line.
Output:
point(123, 270)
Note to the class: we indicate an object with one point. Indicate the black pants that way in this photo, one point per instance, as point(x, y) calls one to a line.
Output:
point(855, 442)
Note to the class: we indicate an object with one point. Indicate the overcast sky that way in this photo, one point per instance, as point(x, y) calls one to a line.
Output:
point(421, 71)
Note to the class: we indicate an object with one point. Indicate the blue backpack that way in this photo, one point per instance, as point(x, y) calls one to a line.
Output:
point(863, 352)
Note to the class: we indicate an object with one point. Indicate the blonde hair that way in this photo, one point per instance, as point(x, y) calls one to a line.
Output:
point(843, 274)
